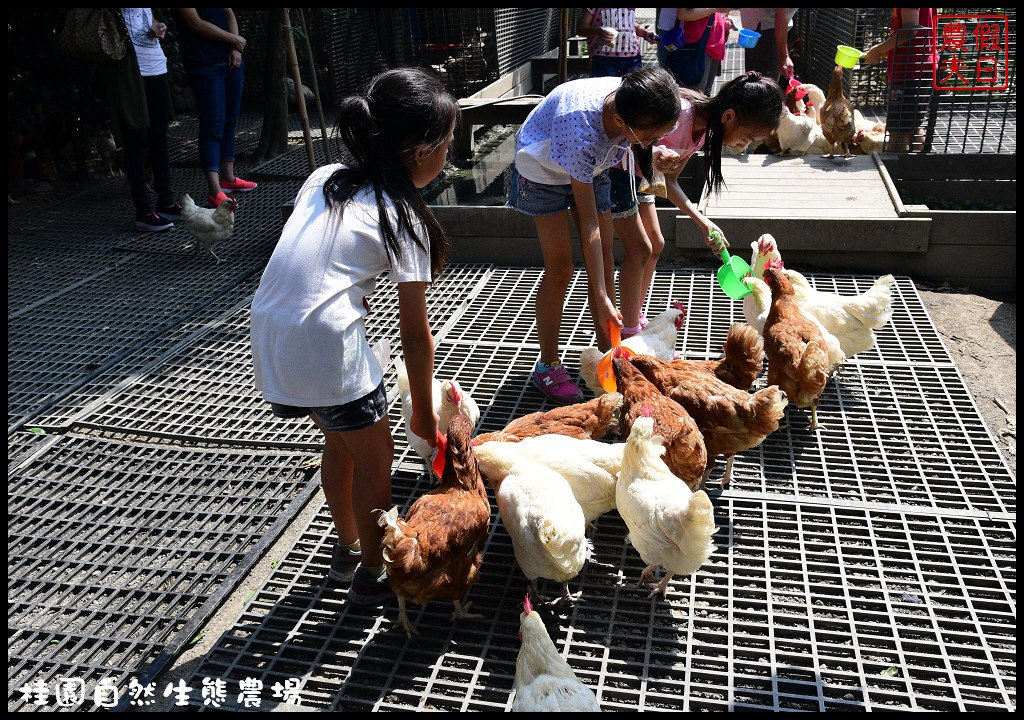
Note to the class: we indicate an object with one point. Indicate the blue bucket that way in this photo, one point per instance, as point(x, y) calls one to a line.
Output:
point(748, 38)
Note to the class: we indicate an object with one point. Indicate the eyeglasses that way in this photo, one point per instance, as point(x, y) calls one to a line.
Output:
point(650, 141)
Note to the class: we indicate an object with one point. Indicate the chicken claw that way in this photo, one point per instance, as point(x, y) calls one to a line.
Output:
point(567, 599)
point(312, 463)
point(462, 612)
point(647, 576)
point(662, 587)
point(403, 619)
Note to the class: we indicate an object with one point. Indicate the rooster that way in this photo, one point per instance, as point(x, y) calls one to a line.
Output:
point(209, 226)
point(852, 320)
point(798, 359)
point(657, 339)
point(669, 525)
point(797, 133)
point(544, 681)
point(837, 116)
point(541, 515)
point(437, 549)
point(109, 152)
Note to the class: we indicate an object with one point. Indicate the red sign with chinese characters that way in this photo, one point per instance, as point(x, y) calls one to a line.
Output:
point(974, 52)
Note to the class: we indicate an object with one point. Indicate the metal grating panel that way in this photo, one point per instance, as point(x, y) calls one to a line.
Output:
point(209, 378)
point(522, 33)
point(292, 164)
point(800, 607)
point(117, 553)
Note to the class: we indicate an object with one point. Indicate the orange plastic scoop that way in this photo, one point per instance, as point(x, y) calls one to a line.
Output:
point(438, 461)
point(605, 372)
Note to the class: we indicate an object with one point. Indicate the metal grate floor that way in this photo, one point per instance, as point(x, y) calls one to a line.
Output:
point(118, 552)
point(869, 565)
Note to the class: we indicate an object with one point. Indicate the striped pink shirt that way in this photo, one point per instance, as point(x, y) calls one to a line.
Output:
point(627, 44)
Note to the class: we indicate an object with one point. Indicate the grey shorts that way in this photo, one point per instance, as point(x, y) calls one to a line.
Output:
point(355, 415)
point(539, 199)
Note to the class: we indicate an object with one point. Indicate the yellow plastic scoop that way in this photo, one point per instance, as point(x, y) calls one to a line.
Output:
point(605, 371)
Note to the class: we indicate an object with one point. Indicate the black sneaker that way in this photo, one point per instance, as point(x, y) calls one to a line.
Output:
point(171, 212)
point(369, 590)
point(152, 223)
point(343, 563)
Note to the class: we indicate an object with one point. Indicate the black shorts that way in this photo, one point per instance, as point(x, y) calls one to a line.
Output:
point(908, 103)
point(355, 415)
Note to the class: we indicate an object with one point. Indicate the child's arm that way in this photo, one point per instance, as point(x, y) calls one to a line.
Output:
point(588, 29)
point(785, 65)
point(593, 257)
point(910, 17)
point(679, 199)
point(418, 349)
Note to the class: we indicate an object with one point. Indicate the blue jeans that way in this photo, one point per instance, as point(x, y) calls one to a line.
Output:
point(218, 92)
point(601, 66)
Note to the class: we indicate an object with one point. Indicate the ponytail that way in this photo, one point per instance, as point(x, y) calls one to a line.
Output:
point(400, 110)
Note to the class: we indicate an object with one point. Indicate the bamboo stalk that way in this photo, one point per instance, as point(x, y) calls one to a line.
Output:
point(300, 101)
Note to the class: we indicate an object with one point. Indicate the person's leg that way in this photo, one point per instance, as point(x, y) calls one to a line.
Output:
point(556, 246)
point(636, 254)
point(367, 467)
point(158, 100)
point(135, 170)
point(232, 106)
point(336, 470)
point(208, 88)
point(652, 228)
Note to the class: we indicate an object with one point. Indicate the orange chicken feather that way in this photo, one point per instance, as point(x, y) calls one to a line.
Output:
point(797, 353)
point(585, 421)
point(731, 420)
point(437, 550)
point(742, 361)
point(837, 121)
point(685, 453)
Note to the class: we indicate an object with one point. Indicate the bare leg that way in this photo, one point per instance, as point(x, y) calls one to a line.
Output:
point(372, 450)
point(336, 481)
point(662, 586)
point(462, 612)
point(727, 478)
point(556, 245)
point(652, 228)
point(403, 619)
point(631, 275)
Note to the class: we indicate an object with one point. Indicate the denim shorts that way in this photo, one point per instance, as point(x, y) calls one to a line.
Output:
point(355, 415)
point(605, 66)
point(538, 199)
point(623, 205)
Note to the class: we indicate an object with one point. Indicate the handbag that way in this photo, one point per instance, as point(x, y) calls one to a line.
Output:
point(94, 34)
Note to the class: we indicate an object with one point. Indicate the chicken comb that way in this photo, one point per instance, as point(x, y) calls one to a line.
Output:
point(442, 446)
point(680, 307)
point(527, 605)
point(646, 410)
point(765, 246)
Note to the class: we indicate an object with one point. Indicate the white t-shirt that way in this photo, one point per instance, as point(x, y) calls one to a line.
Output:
point(152, 60)
point(308, 336)
point(750, 17)
point(564, 136)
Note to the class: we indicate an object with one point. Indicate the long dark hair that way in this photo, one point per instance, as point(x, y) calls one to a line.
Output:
point(757, 102)
point(399, 110)
point(647, 98)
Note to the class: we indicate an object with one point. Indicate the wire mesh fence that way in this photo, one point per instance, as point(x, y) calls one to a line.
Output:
point(949, 90)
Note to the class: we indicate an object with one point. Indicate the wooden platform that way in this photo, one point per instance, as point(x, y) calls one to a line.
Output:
point(767, 186)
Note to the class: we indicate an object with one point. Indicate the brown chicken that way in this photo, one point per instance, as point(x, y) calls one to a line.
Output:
point(797, 354)
point(685, 453)
point(742, 361)
point(585, 421)
point(437, 550)
point(730, 419)
point(837, 116)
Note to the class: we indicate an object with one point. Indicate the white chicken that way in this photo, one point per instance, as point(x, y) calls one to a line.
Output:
point(209, 225)
point(544, 681)
point(449, 399)
point(657, 339)
point(817, 98)
point(540, 513)
point(796, 132)
point(669, 525)
point(851, 319)
point(870, 136)
point(590, 467)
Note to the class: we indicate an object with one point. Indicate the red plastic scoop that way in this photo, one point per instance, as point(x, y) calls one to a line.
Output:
point(605, 372)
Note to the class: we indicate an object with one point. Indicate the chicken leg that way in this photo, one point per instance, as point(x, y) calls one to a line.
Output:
point(462, 612)
point(647, 575)
point(403, 619)
point(814, 418)
point(727, 477)
point(567, 597)
point(662, 587)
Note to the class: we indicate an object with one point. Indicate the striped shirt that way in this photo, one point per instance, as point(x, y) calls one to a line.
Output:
point(627, 44)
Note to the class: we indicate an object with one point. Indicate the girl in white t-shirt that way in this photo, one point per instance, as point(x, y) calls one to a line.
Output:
point(310, 354)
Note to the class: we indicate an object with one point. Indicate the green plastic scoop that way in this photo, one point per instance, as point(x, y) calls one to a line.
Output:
point(731, 274)
point(848, 57)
